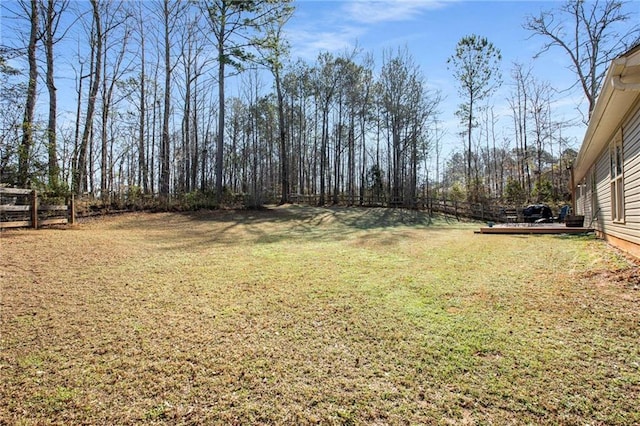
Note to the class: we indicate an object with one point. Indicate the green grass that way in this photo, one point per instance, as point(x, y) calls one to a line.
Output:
point(302, 315)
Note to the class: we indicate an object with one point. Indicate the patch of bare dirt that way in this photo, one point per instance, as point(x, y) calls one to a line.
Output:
point(627, 277)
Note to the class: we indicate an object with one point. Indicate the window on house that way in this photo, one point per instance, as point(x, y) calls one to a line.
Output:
point(617, 179)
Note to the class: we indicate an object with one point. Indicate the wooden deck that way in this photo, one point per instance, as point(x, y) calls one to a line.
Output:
point(534, 228)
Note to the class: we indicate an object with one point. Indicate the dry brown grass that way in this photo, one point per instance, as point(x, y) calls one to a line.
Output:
point(301, 315)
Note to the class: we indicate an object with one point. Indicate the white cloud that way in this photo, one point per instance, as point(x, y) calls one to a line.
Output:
point(374, 12)
point(338, 25)
point(307, 43)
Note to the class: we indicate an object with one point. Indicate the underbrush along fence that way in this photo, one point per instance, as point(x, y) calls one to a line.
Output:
point(21, 208)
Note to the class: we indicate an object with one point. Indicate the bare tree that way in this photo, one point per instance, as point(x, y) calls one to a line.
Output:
point(51, 13)
point(169, 13)
point(143, 170)
point(365, 97)
point(588, 32)
point(275, 48)
point(115, 45)
point(24, 151)
point(539, 112)
point(12, 104)
point(80, 163)
point(476, 65)
point(519, 103)
point(236, 27)
point(408, 107)
point(325, 84)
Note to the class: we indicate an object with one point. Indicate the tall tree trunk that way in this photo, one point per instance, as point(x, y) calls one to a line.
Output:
point(363, 165)
point(76, 135)
point(337, 153)
point(414, 167)
point(80, 172)
point(301, 154)
point(221, 104)
point(143, 171)
point(220, 138)
point(52, 150)
point(185, 167)
point(24, 152)
point(323, 153)
point(470, 196)
point(155, 127)
point(284, 155)
point(351, 162)
point(165, 148)
point(195, 159)
point(104, 137)
point(397, 158)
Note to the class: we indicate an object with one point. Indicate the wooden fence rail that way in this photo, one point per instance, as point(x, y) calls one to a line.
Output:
point(479, 211)
point(20, 208)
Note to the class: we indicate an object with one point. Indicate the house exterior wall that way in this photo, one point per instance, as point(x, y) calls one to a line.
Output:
point(585, 198)
point(593, 197)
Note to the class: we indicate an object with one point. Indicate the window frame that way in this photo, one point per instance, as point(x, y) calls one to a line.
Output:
point(616, 175)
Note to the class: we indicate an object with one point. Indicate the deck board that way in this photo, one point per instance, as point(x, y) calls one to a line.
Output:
point(535, 229)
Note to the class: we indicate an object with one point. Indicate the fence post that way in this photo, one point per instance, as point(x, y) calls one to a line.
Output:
point(72, 210)
point(34, 209)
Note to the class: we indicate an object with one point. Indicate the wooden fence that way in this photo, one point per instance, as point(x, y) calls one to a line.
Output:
point(478, 211)
point(20, 208)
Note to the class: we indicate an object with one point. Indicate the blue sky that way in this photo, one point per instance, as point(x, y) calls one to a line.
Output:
point(430, 30)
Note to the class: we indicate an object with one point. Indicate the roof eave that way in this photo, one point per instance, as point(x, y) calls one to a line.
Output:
point(617, 96)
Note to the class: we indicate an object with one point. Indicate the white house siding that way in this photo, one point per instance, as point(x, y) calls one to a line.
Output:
point(603, 190)
point(630, 229)
point(594, 198)
point(580, 198)
point(616, 113)
point(631, 144)
point(584, 202)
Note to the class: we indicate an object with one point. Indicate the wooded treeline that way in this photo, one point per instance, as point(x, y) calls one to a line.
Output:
point(152, 115)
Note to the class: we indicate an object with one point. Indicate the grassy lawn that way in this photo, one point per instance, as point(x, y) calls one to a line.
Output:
point(301, 315)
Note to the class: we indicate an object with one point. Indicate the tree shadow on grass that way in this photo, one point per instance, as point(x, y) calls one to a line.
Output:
point(288, 223)
point(295, 223)
point(332, 220)
point(356, 217)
